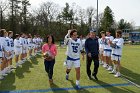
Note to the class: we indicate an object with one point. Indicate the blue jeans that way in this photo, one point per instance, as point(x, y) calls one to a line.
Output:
point(49, 65)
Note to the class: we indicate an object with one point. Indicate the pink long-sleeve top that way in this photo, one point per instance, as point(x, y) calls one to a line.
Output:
point(52, 48)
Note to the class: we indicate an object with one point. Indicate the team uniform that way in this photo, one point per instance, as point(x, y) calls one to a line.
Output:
point(107, 47)
point(73, 52)
point(22, 42)
point(1, 55)
point(35, 42)
point(26, 45)
point(17, 47)
point(11, 46)
point(7, 47)
point(101, 45)
point(117, 49)
point(30, 44)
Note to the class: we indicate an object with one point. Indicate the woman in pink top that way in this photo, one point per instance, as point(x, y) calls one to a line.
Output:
point(49, 51)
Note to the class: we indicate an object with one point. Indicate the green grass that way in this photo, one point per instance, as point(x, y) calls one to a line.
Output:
point(32, 76)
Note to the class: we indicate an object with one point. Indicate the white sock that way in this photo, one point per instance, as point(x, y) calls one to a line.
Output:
point(77, 82)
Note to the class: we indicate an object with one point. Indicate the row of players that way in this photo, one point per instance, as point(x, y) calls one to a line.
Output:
point(17, 48)
point(110, 51)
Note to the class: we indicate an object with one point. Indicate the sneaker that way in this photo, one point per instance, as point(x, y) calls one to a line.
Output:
point(105, 65)
point(12, 67)
point(101, 63)
point(4, 74)
point(118, 74)
point(112, 72)
point(67, 77)
point(8, 71)
point(1, 77)
point(109, 68)
point(64, 64)
point(77, 87)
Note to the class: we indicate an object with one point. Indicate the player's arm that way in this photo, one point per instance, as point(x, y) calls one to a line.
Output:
point(119, 44)
point(82, 51)
point(67, 37)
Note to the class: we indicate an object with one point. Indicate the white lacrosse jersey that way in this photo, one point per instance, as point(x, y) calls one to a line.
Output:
point(107, 45)
point(73, 47)
point(17, 45)
point(11, 42)
point(117, 49)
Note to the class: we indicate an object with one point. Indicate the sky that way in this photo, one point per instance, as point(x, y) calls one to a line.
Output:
point(126, 9)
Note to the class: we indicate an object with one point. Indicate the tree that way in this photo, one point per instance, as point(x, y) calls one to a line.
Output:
point(122, 24)
point(90, 13)
point(107, 20)
point(67, 14)
point(25, 4)
point(14, 9)
point(3, 7)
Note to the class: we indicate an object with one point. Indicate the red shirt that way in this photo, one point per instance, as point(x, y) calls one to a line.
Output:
point(52, 48)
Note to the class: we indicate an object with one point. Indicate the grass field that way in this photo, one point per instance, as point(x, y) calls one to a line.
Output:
point(31, 77)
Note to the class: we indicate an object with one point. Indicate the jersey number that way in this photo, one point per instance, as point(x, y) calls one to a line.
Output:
point(75, 49)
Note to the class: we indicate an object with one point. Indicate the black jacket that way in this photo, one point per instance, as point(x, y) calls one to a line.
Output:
point(92, 46)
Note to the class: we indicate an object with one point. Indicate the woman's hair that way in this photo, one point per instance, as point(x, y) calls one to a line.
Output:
point(73, 31)
point(119, 33)
point(9, 32)
point(17, 35)
point(2, 32)
point(48, 38)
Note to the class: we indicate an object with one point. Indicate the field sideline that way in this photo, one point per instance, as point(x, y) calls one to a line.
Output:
point(31, 77)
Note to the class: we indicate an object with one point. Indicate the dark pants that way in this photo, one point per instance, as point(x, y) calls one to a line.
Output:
point(49, 65)
point(96, 65)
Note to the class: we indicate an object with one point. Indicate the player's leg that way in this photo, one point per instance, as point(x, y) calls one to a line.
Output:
point(68, 69)
point(105, 59)
point(109, 61)
point(77, 69)
point(1, 76)
point(118, 65)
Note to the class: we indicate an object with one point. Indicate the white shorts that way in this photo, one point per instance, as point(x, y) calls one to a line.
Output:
point(101, 51)
point(12, 55)
point(17, 53)
point(107, 53)
point(70, 64)
point(115, 58)
point(23, 51)
point(29, 47)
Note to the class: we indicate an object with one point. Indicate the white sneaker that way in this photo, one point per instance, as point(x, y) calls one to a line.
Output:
point(1, 77)
point(9, 71)
point(109, 68)
point(101, 63)
point(105, 65)
point(118, 74)
point(113, 72)
point(64, 64)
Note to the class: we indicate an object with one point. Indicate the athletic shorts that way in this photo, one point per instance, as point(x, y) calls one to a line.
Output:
point(12, 55)
point(71, 63)
point(107, 53)
point(101, 51)
point(17, 53)
point(115, 57)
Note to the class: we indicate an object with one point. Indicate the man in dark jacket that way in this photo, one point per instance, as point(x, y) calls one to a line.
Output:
point(92, 51)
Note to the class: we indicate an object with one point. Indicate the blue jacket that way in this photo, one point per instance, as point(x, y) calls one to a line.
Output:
point(92, 46)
